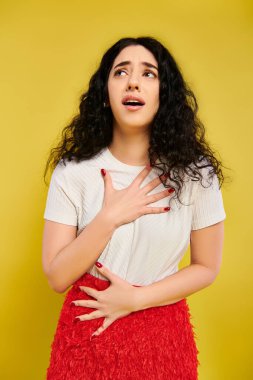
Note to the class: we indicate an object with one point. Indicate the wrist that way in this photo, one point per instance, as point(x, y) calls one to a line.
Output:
point(138, 298)
point(145, 297)
point(106, 219)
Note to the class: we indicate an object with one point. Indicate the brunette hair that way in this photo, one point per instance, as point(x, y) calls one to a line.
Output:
point(177, 136)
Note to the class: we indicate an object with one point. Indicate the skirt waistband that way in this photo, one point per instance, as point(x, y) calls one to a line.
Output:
point(91, 279)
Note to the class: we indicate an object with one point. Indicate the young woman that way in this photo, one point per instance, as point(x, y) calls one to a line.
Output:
point(133, 183)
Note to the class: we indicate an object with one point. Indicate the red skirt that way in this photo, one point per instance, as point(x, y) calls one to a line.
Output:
point(157, 343)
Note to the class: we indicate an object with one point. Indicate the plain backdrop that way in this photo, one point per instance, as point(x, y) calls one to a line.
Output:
point(49, 50)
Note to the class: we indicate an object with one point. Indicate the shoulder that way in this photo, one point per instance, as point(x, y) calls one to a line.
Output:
point(75, 176)
point(200, 180)
point(63, 172)
point(70, 170)
point(65, 168)
point(207, 177)
point(66, 178)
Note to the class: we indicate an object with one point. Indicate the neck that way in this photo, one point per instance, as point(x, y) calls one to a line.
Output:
point(130, 151)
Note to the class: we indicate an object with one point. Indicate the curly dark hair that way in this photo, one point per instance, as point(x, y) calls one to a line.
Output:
point(177, 136)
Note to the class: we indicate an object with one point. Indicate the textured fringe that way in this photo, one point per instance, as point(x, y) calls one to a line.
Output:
point(156, 343)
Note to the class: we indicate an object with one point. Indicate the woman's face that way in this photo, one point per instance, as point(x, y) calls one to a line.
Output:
point(134, 76)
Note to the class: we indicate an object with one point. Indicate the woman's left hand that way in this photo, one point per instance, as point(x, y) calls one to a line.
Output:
point(115, 302)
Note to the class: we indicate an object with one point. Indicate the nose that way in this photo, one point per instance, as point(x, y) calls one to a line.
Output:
point(133, 83)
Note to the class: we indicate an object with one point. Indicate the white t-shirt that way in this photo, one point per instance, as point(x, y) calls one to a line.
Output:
point(149, 248)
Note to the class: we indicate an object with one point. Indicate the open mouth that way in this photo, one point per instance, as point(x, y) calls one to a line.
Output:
point(133, 105)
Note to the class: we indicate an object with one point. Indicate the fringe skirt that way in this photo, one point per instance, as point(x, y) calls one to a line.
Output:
point(157, 343)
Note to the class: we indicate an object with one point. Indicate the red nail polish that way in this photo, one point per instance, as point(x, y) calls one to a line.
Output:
point(166, 208)
point(98, 264)
point(171, 190)
point(77, 320)
point(72, 304)
point(103, 172)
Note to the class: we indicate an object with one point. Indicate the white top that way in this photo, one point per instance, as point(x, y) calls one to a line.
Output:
point(149, 248)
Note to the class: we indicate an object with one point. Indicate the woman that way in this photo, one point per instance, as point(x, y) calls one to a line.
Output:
point(134, 182)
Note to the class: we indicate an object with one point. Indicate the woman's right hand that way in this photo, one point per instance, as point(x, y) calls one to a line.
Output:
point(125, 205)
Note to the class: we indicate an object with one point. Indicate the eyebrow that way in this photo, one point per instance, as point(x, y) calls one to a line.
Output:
point(124, 63)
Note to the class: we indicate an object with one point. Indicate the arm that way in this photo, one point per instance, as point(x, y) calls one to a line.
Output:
point(67, 257)
point(206, 253)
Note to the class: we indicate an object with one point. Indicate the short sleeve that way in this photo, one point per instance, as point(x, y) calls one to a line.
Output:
point(208, 205)
point(60, 205)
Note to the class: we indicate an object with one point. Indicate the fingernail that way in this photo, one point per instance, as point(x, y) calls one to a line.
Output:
point(103, 172)
point(72, 304)
point(77, 320)
point(98, 264)
point(171, 190)
point(166, 208)
point(148, 166)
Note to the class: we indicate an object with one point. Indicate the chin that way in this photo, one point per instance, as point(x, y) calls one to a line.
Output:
point(133, 120)
point(140, 125)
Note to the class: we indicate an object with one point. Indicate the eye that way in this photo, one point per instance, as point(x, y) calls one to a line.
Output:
point(150, 72)
point(118, 71)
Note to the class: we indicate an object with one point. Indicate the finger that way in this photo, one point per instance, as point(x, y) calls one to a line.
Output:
point(155, 210)
point(140, 177)
point(90, 291)
point(162, 194)
point(107, 179)
point(112, 277)
point(151, 185)
point(93, 315)
point(105, 325)
point(85, 303)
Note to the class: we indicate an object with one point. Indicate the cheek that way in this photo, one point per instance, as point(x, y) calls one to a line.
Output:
point(154, 91)
point(113, 92)
point(155, 100)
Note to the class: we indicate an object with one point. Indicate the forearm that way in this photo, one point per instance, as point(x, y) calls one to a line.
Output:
point(77, 257)
point(173, 288)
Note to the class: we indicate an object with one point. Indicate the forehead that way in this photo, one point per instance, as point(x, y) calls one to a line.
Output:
point(135, 53)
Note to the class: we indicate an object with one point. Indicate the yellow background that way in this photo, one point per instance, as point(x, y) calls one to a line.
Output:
point(49, 50)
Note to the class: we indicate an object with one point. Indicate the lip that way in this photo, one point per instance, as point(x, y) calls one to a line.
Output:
point(132, 97)
point(132, 108)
